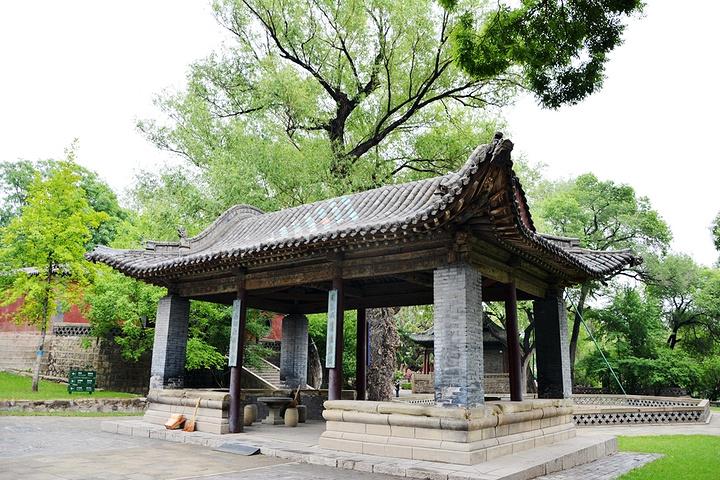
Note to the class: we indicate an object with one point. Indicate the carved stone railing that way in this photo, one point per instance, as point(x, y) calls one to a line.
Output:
point(593, 410)
point(72, 330)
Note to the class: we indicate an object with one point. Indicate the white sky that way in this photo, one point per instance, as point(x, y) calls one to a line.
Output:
point(88, 69)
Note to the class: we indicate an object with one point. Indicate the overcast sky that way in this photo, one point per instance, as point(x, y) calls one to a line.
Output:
point(88, 69)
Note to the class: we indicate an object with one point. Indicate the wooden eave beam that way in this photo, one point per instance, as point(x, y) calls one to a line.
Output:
point(495, 262)
point(301, 273)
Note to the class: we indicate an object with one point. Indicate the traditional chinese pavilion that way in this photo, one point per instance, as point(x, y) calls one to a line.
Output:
point(454, 241)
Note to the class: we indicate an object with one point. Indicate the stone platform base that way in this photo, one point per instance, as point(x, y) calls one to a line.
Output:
point(212, 414)
point(452, 435)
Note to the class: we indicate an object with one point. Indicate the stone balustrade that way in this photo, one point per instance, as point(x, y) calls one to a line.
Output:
point(604, 410)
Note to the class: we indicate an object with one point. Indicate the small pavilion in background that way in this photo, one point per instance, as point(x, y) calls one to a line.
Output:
point(454, 241)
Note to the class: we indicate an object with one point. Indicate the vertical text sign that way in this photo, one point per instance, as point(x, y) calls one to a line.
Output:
point(331, 329)
point(234, 333)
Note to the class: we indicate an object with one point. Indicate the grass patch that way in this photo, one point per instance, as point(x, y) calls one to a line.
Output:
point(18, 387)
point(686, 456)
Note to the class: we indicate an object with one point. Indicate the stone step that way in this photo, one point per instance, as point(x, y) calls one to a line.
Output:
point(268, 372)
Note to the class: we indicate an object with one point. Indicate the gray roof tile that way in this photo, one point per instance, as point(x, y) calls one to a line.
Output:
point(245, 233)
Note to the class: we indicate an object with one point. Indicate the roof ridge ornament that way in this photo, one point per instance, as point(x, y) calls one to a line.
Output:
point(500, 149)
point(184, 246)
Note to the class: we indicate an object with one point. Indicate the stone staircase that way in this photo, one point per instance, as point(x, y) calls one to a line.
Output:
point(268, 374)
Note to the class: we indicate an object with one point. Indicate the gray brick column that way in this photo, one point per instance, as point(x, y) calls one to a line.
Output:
point(294, 351)
point(553, 348)
point(459, 369)
point(171, 333)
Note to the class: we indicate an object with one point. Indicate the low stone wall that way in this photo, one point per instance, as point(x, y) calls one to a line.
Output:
point(64, 351)
point(495, 383)
point(86, 404)
point(603, 410)
point(18, 350)
point(465, 436)
point(212, 413)
point(113, 371)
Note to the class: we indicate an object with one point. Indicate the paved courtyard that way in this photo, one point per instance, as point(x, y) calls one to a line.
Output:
point(76, 448)
point(55, 448)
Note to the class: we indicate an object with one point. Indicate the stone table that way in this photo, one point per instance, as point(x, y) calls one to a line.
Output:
point(274, 405)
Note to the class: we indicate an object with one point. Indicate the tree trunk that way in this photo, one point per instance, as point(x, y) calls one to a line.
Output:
point(526, 376)
point(315, 370)
point(41, 348)
point(383, 363)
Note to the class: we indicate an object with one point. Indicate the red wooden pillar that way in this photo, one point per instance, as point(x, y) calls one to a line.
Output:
point(361, 355)
point(513, 340)
point(336, 313)
point(237, 339)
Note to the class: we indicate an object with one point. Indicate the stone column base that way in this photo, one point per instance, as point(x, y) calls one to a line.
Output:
point(451, 435)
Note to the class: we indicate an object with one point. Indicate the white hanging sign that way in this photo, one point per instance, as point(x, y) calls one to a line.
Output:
point(234, 333)
point(331, 329)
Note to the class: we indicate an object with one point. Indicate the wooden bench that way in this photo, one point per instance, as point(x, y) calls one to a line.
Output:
point(82, 381)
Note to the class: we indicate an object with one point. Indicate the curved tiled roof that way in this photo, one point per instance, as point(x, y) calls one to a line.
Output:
point(244, 233)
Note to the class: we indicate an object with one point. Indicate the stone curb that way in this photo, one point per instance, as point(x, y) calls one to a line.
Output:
point(80, 404)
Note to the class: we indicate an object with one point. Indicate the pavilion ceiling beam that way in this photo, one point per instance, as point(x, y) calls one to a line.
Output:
point(503, 266)
point(418, 278)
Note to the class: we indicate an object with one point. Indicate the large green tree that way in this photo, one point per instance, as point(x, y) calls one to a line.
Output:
point(691, 301)
point(42, 248)
point(555, 48)
point(315, 98)
point(604, 216)
point(632, 334)
point(16, 177)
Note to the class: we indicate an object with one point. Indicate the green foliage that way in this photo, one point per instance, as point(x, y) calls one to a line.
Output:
point(209, 335)
point(670, 368)
point(715, 229)
point(16, 178)
point(117, 307)
point(683, 456)
point(412, 320)
point(49, 237)
point(708, 385)
point(123, 310)
point(200, 354)
point(666, 369)
point(603, 215)
point(633, 336)
point(691, 300)
point(557, 48)
point(630, 323)
point(317, 328)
